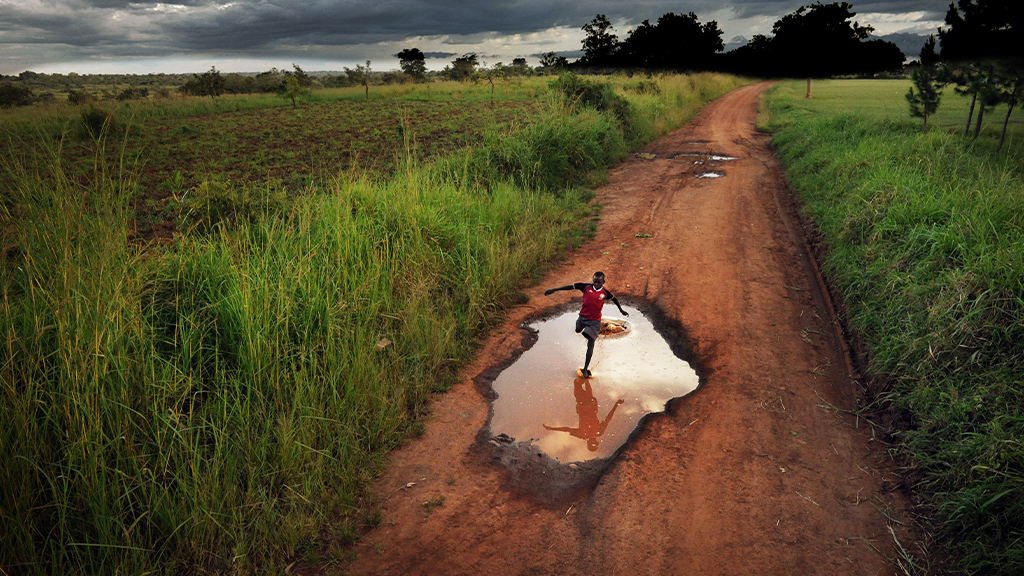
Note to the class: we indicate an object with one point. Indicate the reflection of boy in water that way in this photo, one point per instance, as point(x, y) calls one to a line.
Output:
point(586, 407)
point(589, 322)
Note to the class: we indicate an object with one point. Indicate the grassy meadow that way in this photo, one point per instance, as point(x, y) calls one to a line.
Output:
point(923, 243)
point(221, 402)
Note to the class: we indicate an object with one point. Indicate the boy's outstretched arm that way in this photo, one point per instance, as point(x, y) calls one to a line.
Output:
point(616, 300)
point(551, 291)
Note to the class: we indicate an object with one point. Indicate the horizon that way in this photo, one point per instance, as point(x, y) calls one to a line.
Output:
point(189, 36)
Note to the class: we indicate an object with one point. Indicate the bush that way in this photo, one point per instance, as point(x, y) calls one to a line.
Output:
point(12, 95)
point(219, 201)
point(95, 122)
point(76, 97)
point(600, 96)
point(133, 94)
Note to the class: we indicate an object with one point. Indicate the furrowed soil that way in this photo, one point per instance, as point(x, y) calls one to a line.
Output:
point(756, 472)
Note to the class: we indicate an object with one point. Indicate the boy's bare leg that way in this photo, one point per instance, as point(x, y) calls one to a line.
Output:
point(590, 354)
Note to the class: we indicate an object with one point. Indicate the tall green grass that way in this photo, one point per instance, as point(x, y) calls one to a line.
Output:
point(222, 405)
point(924, 241)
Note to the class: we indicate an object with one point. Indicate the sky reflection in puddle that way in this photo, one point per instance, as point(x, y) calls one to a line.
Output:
point(572, 419)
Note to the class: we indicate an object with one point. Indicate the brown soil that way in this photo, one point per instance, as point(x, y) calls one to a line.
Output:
point(754, 473)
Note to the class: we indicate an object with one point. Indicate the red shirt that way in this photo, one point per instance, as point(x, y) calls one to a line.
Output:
point(593, 300)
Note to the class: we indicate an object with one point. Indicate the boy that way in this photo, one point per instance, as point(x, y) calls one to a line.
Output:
point(589, 322)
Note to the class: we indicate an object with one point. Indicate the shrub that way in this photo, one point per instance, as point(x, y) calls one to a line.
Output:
point(577, 90)
point(95, 122)
point(219, 201)
point(133, 94)
point(12, 95)
point(76, 97)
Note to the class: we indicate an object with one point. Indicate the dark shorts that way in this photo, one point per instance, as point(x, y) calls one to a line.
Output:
point(590, 328)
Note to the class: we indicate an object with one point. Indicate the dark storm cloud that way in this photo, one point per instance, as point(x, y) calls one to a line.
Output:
point(934, 9)
point(116, 28)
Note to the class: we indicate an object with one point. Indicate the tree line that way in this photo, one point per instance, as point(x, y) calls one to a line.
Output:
point(980, 55)
point(819, 40)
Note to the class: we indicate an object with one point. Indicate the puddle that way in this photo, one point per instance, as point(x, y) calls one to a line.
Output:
point(703, 156)
point(710, 174)
point(542, 403)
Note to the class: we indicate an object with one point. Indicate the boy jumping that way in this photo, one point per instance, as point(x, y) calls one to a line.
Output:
point(589, 322)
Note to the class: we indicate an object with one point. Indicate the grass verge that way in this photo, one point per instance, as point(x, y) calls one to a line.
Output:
point(222, 405)
point(923, 242)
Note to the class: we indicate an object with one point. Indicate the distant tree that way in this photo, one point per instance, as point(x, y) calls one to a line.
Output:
point(552, 62)
point(304, 80)
point(600, 45)
point(819, 40)
point(676, 41)
point(292, 89)
point(209, 83)
point(464, 67)
point(413, 62)
point(519, 67)
point(270, 81)
point(925, 101)
point(360, 75)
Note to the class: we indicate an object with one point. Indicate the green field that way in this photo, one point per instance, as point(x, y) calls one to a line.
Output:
point(221, 402)
point(922, 242)
point(885, 100)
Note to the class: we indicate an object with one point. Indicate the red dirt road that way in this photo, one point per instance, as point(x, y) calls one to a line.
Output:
point(751, 474)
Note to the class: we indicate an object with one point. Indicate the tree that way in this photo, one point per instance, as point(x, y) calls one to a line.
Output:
point(360, 75)
point(292, 89)
point(519, 67)
point(463, 67)
point(925, 101)
point(988, 29)
point(600, 45)
point(928, 55)
point(413, 62)
point(676, 41)
point(982, 47)
point(209, 83)
point(1012, 94)
point(304, 80)
point(819, 40)
point(552, 62)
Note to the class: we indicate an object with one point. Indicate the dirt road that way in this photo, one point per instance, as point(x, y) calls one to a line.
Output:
point(750, 474)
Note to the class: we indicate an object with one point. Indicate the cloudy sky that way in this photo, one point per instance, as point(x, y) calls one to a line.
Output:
point(143, 36)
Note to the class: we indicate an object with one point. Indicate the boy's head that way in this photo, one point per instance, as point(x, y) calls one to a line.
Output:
point(598, 279)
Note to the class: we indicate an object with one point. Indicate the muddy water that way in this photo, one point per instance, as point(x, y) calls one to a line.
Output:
point(542, 400)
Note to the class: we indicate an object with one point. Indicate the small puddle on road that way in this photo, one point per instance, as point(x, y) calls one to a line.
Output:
point(710, 175)
point(541, 400)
